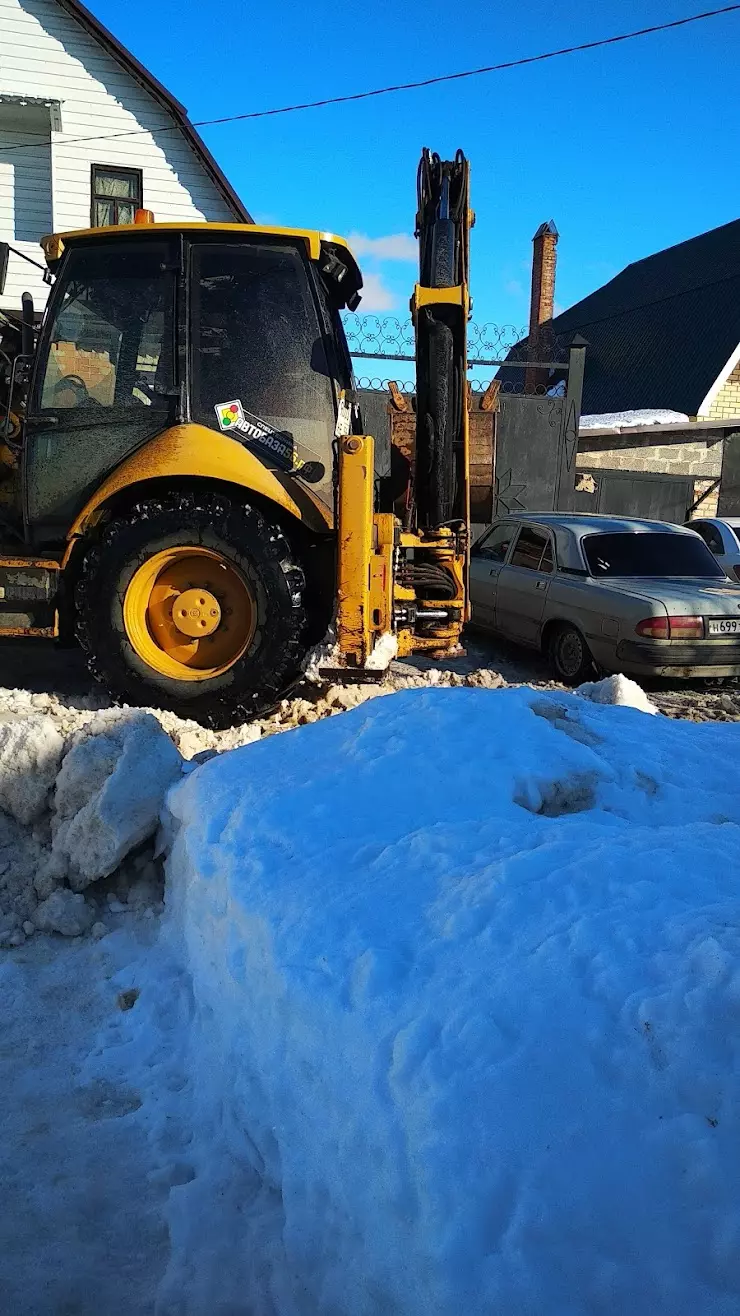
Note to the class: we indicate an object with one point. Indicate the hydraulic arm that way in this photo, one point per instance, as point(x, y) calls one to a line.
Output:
point(406, 575)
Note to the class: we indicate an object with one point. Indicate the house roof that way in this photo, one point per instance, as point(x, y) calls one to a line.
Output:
point(96, 29)
point(660, 333)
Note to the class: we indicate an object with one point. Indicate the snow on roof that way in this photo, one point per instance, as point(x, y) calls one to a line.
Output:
point(627, 419)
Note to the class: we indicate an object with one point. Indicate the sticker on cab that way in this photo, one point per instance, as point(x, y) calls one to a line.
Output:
point(278, 445)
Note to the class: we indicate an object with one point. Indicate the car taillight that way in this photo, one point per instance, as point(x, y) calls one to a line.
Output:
point(671, 628)
point(655, 628)
point(686, 628)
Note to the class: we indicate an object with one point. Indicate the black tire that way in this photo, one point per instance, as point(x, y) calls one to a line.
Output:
point(260, 551)
point(569, 655)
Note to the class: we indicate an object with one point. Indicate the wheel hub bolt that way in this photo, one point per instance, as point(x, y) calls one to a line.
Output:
point(196, 613)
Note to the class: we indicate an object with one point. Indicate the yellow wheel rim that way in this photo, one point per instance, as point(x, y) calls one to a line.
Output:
point(189, 613)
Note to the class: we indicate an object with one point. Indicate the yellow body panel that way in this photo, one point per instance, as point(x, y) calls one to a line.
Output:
point(194, 450)
point(354, 552)
point(53, 243)
point(456, 296)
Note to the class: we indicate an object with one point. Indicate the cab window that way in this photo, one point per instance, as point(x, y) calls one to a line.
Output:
point(109, 344)
point(257, 342)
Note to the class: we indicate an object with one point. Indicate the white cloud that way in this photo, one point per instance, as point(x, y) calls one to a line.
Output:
point(375, 295)
point(395, 246)
point(514, 288)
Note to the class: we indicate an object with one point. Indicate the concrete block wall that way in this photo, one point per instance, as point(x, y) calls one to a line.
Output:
point(680, 452)
point(694, 452)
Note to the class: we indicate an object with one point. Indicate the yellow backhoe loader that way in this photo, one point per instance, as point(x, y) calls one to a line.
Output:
point(186, 488)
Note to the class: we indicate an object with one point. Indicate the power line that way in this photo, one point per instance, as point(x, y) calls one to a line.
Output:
point(408, 86)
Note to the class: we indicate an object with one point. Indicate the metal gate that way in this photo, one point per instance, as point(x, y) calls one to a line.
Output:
point(629, 493)
point(525, 412)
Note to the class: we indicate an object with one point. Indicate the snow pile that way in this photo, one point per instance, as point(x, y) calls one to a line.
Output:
point(385, 650)
point(632, 419)
point(108, 797)
point(71, 811)
point(30, 754)
point(617, 689)
point(465, 980)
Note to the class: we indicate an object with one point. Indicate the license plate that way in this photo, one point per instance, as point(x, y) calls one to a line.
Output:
point(723, 626)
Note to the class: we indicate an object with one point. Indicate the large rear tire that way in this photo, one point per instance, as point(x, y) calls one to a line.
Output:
point(193, 603)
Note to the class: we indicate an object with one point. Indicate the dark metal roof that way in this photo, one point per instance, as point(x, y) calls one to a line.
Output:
point(96, 29)
point(660, 332)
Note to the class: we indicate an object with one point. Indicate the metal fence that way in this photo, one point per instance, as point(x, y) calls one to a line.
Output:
point(538, 369)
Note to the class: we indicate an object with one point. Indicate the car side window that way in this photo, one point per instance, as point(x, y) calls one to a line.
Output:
point(495, 545)
point(711, 536)
point(533, 550)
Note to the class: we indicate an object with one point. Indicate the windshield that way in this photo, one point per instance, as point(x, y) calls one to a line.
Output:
point(649, 554)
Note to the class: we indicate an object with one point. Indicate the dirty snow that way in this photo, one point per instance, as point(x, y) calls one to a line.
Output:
point(631, 419)
point(87, 802)
point(108, 796)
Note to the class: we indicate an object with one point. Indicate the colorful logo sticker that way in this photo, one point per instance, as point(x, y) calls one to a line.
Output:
point(229, 413)
point(276, 444)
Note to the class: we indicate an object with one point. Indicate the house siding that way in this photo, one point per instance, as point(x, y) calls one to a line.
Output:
point(44, 53)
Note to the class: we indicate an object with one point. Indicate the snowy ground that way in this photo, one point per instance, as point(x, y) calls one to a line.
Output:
point(441, 1014)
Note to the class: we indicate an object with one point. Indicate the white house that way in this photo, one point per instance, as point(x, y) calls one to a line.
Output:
point(87, 136)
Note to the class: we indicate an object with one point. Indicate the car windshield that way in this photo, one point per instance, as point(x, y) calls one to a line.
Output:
point(736, 532)
point(649, 554)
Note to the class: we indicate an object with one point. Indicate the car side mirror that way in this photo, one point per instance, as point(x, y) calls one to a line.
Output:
point(4, 258)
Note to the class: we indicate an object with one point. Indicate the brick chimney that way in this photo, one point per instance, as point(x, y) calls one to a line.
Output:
point(542, 303)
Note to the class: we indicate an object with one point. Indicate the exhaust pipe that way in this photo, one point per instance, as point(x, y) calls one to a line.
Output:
point(28, 334)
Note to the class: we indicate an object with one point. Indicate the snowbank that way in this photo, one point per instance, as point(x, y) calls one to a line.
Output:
point(465, 979)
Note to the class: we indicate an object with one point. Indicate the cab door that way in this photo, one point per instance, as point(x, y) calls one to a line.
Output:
point(104, 379)
point(486, 560)
point(523, 585)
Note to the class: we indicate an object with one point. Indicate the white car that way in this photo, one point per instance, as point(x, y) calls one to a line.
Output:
point(722, 535)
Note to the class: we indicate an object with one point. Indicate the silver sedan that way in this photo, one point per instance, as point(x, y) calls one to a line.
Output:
point(722, 537)
point(640, 597)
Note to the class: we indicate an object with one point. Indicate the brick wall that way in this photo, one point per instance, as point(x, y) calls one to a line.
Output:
point(726, 405)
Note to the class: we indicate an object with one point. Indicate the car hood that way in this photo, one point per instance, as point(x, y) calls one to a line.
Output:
point(682, 595)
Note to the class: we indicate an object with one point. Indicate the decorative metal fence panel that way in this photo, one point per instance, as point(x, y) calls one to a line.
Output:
point(382, 348)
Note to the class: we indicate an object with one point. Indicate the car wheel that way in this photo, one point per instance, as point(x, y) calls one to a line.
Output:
point(570, 656)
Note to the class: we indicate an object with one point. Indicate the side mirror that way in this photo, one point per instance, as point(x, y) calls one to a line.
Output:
point(4, 257)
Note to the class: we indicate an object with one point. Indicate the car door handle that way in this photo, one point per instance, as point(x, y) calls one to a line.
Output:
point(540, 584)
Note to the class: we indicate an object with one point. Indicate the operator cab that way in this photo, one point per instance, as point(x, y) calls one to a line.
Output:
point(230, 327)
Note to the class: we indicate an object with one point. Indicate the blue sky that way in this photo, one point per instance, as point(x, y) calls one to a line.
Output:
point(628, 148)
